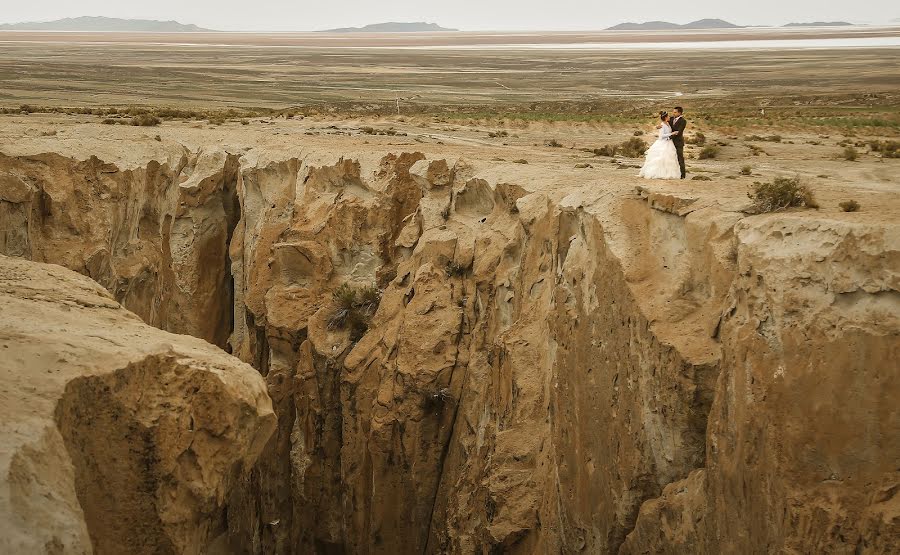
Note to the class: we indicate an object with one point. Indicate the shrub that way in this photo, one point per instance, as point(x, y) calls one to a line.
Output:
point(780, 194)
point(109, 121)
point(145, 120)
point(701, 178)
point(709, 152)
point(746, 170)
point(353, 308)
point(498, 134)
point(888, 149)
point(850, 154)
point(633, 148)
point(520, 161)
point(849, 206)
point(698, 139)
point(638, 133)
point(553, 143)
point(756, 151)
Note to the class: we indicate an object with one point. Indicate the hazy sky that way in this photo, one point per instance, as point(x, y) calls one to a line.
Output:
point(306, 15)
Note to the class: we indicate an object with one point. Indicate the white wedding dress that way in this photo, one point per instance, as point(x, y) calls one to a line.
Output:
point(662, 160)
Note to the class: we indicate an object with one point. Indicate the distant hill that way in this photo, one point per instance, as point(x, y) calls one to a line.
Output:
point(666, 26)
point(820, 24)
point(89, 23)
point(392, 27)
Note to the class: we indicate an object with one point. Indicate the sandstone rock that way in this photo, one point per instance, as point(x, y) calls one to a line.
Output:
point(116, 437)
point(156, 236)
point(548, 371)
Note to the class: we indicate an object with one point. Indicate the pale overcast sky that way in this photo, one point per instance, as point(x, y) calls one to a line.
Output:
point(308, 15)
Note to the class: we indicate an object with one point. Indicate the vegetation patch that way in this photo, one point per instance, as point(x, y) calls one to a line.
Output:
point(850, 154)
point(887, 149)
point(353, 308)
point(146, 120)
point(849, 206)
point(782, 193)
point(632, 148)
point(697, 139)
point(709, 152)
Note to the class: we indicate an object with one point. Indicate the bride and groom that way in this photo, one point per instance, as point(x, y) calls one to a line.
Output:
point(665, 157)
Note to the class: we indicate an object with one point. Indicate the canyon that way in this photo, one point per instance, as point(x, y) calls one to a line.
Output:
point(560, 361)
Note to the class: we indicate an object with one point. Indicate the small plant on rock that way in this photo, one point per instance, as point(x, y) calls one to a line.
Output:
point(353, 309)
point(780, 194)
point(434, 401)
point(455, 269)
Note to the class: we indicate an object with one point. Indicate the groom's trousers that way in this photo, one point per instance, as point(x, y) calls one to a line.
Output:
point(679, 148)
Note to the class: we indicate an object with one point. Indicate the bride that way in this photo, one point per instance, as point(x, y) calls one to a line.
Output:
point(662, 161)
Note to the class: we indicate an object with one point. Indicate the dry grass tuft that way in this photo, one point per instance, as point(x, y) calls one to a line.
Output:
point(708, 152)
point(353, 308)
point(849, 206)
point(782, 193)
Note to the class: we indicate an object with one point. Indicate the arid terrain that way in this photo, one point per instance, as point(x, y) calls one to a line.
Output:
point(467, 327)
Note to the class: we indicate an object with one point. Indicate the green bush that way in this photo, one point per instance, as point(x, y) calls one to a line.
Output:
point(780, 194)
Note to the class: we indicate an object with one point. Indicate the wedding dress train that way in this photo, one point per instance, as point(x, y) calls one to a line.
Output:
point(662, 160)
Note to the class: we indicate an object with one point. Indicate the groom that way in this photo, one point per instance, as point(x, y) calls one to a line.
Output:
point(678, 126)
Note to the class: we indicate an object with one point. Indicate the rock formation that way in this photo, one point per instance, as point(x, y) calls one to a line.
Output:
point(117, 437)
point(566, 371)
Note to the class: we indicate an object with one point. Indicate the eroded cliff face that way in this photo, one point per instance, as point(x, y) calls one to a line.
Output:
point(156, 237)
point(545, 373)
point(117, 437)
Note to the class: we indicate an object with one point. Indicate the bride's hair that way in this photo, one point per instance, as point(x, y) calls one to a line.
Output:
point(663, 115)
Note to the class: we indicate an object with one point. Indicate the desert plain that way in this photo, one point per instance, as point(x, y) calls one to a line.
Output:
point(431, 260)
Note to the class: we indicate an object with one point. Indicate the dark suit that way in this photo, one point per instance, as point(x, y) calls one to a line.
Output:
point(678, 141)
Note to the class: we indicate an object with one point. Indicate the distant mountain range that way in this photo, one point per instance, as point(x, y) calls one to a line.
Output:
point(820, 24)
point(392, 27)
point(666, 26)
point(89, 23)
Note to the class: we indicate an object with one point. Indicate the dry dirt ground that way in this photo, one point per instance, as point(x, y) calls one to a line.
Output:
point(523, 156)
